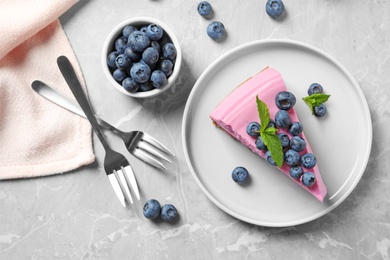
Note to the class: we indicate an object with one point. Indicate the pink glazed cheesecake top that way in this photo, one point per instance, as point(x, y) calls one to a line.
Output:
point(239, 108)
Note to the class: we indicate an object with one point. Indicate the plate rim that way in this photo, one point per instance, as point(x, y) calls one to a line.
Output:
point(248, 45)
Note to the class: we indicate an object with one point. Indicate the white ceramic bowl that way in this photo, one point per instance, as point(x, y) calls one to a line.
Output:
point(108, 47)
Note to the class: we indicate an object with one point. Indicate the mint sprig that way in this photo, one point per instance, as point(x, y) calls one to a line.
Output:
point(268, 134)
point(315, 100)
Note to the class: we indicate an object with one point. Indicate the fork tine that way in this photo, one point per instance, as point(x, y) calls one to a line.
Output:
point(147, 158)
point(145, 146)
point(117, 189)
point(147, 138)
point(123, 184)
point(130, 179)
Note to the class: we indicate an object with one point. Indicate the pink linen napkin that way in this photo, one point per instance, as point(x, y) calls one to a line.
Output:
point(37, 137)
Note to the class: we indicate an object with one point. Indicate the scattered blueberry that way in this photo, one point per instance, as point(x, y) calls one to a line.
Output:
point(151, 209)
point(296, 128)
point(282, 119)
point(315, 88)
point(308, 179)
point(205, 9)
point(285, 100)
point(269, 158)
point(158, 79)
point(260, 144)
point(274, 8)
point(130, 85)
point(320, 110)
point(284, 139)
point(308, 160)
point(140, 72)
point(296, 172)
point(216, 30)
point(150, 56)
point(169, 51)
point(291, 157)
point(166, 66)
point(168, 212)
point(253, 129)
point(154, 32)
point(138, 41)
point(123, 62)
point(297, 143)
point(240, 175)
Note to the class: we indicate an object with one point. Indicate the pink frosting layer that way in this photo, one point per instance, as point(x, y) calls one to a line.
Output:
point(239, 108)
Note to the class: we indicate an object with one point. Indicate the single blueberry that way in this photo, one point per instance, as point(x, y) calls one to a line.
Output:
point(253, 129)
point(154, 32)
point(156, 45)
point(138, 41)
point(269, 158)
point(168, 212)
point(128, 29)
point(308, 160)
point(314, 88)
point(297, 143)
point(119, 75)
point(240, 175)
point(205, 9)
point(143, 28)
point(146, 86)
point(158, 79)
point(296, 172)
point(296, 128)
point(291, 157)
point(166, 66)
point(120, 44)
point(130, 85)
point(134, 56)
point(260, 144)
point(320, 110)
point(140, 72)
point(111, 59)
point(284, 139)
point(282, 119)
point(308, 179)
point(150, 56)
point(123, 62)
point(216, 30)
point(271, 123)
point(169, 51)
point(151, 209)
point(274, 8)
point(285, 100)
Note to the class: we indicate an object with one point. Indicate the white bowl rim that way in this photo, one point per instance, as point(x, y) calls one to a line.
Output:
point(107, 47)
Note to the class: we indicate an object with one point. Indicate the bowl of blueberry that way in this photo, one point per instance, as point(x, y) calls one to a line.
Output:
point(141, 57)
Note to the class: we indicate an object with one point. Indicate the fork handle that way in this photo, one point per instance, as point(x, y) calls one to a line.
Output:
point(74, 84)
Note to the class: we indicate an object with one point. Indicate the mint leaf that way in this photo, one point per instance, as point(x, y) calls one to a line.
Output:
point(315, 100)
point(268, 134)
point(263, 114)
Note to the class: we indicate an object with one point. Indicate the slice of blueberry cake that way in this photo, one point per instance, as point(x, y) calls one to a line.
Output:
point(238, 115)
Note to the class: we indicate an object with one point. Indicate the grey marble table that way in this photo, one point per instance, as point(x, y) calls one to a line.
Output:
point(77, 216)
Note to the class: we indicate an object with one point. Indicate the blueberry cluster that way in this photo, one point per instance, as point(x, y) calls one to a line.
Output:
point(215, 29)
point(152, 209)
point(142, 58)
point(321, 109)
point(292, 142)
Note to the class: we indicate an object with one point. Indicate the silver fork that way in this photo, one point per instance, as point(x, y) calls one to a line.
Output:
point(138, 143)
point(117, 167)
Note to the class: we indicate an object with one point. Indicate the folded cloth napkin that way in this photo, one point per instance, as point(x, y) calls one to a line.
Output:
point(37, 137)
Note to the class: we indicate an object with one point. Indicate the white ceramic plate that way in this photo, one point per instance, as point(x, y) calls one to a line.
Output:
point(341, 140)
